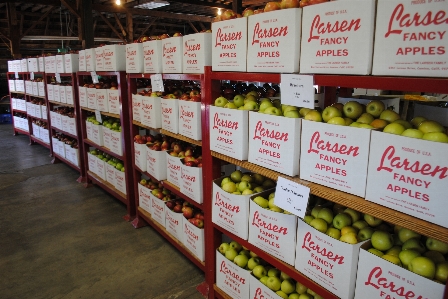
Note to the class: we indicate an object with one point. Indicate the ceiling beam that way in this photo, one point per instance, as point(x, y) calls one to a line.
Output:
point(35, 23)
point(72, 7)
point(111, 27)
point(117, 19)
point(41, 2)
point(190, 2)
point(147, 27)
point(192, 27)
point(59, 38)
point(129, 26)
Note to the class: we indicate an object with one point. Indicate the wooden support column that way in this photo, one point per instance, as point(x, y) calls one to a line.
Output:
point(87, 24)
point(237, 6)
point(14, 30)
point(130, 27)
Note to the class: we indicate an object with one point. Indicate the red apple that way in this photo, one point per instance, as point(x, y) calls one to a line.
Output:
point(271, 6)
point(289, 4)
point(187, 212)
point(248, 12)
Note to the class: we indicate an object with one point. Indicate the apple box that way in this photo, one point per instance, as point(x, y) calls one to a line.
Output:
point(36, 130)
point(272, 232)
point(110, 174)
point(335, 156)
point(44, 112)
point(113, 98)
point(157, 210)
point(106, 137)
point(20, 85)
point(323, 259)
point(97, 134)
point(28, 87)
point(150, 112)
point(21, 104)
point(172, 55)
point(71, 63)
point(101, 100)
point(193, 239)
point(69, 94)
point(229, 131)
point(33, 65)
point(140, 156)
point(35, 88)
point(82, 93)
point(12, 85)
point(60, 64)
point(136, 106)
point(134, 58)
point(30, 108)
point(257, 290)
point(64, 123)
point(101, 168)
point(197, 52)
point(144, 198)
point(47, 64)
point(116, 143)
point(91, 98)
point(91, 159)
point(61, 150)
point(156, 164)
point(99, 59)
point(230, 211)
point(13, 103)
point(54, 143)
point(170, 115)
point(120, 181)
point(41, 89)
point(173, 166)
point(408, 175)
point(11, 66)
point(403, 47)
point(82, 61)
point(173, 223)
point(229, 46)
point(58, 120)
point(114, 58)
point(56, 94)
point(41, 64)
point(71, 122)
point(152, 56)
point(88, 129)
point(24, 65)
point(90, 58)
point(338, 37)
point(190, 124)
point(231, 278)
point(62, 97)
point(378, 278)
point(275, 142)
point(274, 41)
point(50, 92)
point(44, 135)
point(191, 182)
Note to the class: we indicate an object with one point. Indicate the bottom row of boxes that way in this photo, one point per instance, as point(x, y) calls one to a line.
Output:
point(66, 147)
point(107, 168)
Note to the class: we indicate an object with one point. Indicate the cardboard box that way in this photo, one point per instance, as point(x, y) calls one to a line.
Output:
point(152, 55)
point(229, 132)
point(335, 156)
point(91, 98)
point(20, 85)
point(49, 60)
point(97, 134)
point(191, 182)
point(61, 149)
point(172, 55)
point(197, 52)
point(116, 142)
point(36, 130)
point(62, 97)
point(54, 144)
point(21, 104)
point(158, 210)
point(408, 175)
point(378, 278)
point(149, 113)
point(272, 232)
point(88, 130)
point(44, 135)
point(12, 85)
point(28, 87)
point(41, 63)
point(170, 115)
point(58, 120)
point(71, 125)
point(275, 142)
point(274, 41)
point(134, 58)
point(324, 260)
point(107, 133)
point(110, 174)
point(30, 108)
point(173, 223)
point(229, 45)
point(140, 156)
point(82, 93)
point(101, 168)
point(99, 59)
point(10, 66)
point(69, 94)
point(144, 198)
point(259, 290)
point(24, 65)
point(101, 100)
point(114, 58)
point(50, 92)
point(136, 106)
point(190, 124)
point(33, 65)
point(113, 98)
point(91, 159)
point(82, 61)
point(60, 64)
point(193, 239)
point(64, 123)
point(174, 172)
point(156, 164)
point(403, 47)
point(230, 211)
point(35, 88)
point(120, 181)
point(56, 94)
point(13, 103)
point(231, 278)
point(338, 38)
point(41, 89)
point(90, 60)
point(71, 63)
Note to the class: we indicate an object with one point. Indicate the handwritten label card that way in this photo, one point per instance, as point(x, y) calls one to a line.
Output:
point(94, 77)
point(157, 83)
point(98, 116)
point(298, 90)
point(291, 196)
point(32, 76)
point(58, 77)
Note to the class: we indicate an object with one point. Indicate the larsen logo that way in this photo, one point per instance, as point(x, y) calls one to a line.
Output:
point(227, 271)
point(260, 33)
point(262, 132)
point(224, 123)
point(317, 144)
point(227, 37)
point(318, 28)
point(221, 203)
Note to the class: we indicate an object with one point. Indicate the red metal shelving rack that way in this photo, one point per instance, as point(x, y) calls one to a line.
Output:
point(23, 76)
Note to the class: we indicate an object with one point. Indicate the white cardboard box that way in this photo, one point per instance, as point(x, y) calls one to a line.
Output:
point(56, 94)
point(376, 277)
point(170, 115)
point(150, 112)
point(274, 41)
point(329, 262)
point(99, 59)
point(90, 60)
point(193, 239)
point(35, 88)
point(54, 144)
point(58, 120)
point(20, 85)
point(71, 124)
point(60, 64)
point(44, 112)
point(33, 65)
point(82, 61)
point(152, 55)
point(50, 92)
point(140, 156)
point(120, 181)
point(144, 198)
point(64, 123)
point(44, 135)
point(408, 175)
point(62, 97)
point(190, 124)
point(136, 106)
point(191, 182)
point(91, 98)
point(229, 45)
point(12, 85)
point(110, 174)
point(24, 65)
point(156, 164)
point(91, 159)
point(101, 100)
point(101, 168)
point(106, 137)
point(97, 134)
point(41, 62)
point(50, 62)
point(61, 149)
point(83, 102)
point(113, 98)
point(410, 39)
point(172, 55)
point(116, 143)
point(13, 103)
point(335, 156)
point(275, 142)
point(158, 210)
point(21, 104)
point(28, 87)
point(36, 131)
point(231, 278)
point(273, 232)
point(229, 131)
point(174, 172)
point(114, 58)
point(41, 89)
point(69, 94)
point(259, 290)
point(134, 58)
point(338, 37)
point(173, 223)
point(88, 130)
point(71, 63)
point(197, 52)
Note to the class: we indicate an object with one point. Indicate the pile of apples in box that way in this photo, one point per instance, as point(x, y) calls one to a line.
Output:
point(63, 118)
point(35, 87)
point(40, 130)
point(37, 107)
point(102, 96)
point(21, 121)
point(66, 147)
point(182, 220)
point(107, 168)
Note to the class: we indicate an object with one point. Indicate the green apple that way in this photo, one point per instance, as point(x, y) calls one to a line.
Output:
point(339, 121)
point(365, 118)
point(313, 115)
point(247, 192)
point(315, 211)
point(442, 272)
point(253, 93)
point(238, 100)
point(253, 254)
point(225, 180)
point(271, 203)
point(259, 271)
point(250, 105)
point(389, 115)
point(354, 214)
point(262, 202)
point(229, 187)
point(221, 102)
point(365, 233)
point(231, 253)
point(349, 238)
point(405, 124)
point(394, 128)
point(241, 260)
point(253, 262)
point(423, 266)
point(416, 121)
point(245, 252)
point(433, 244)
point(277, 209)
point(397, 240)
point(274, 283)
point(304, 111)
point(274, 272)
point(330, 112)
point(294, 296)
point(243, 185)
point(382, 241)
point(223, 247)
point(372, 221)
point(354, 124)
point(258, 178)
point(348, 121)
point(288, 286)
point(236, 176)
point(319, 224)
point(375, 107)
point(268, 184)
point(291, 114)
point(406, 256)
point(264, 280)
point(341, 220)
point(273, 111)
point(284, 276)
point(300, 288)
point(413, 133)
point(286, 108)
point(282, 294)
point(230, 105)
point(360, 224)
point(306, 296)
point(348, 229)
point(430, 126)
point(265, 104)
point(392, 258)
point(308, 219)
point(436, 137)
point(435, 256)
point(250, 98)
point(326, 214)
point(376, 252)
point(414, 243)
point(405, 234)
point(395, 251)
point(366, 126)
point(311, 292)
point(334, 233)
point(353, 109)
point(235, 245)
point(258, 189)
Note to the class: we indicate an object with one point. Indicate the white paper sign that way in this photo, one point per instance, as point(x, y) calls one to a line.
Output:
point(94, 77)
point(298, 90)
point(17, 75)
point(98, 116)
point(58, 77)
point(291, 196)
point(157, 83)
point(32, 76)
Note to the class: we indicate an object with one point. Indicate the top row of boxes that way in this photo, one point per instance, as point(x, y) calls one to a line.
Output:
point(335, 37)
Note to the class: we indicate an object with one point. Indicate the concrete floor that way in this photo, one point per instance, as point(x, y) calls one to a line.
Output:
point(61, 240)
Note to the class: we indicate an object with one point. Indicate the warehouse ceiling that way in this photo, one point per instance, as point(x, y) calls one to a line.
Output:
point(48, 25)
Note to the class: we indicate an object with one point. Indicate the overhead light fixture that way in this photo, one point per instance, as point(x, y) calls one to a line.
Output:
point(219, 11)
point(145, 4)
point(118, 2)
